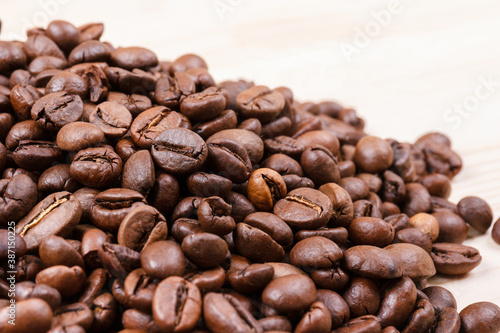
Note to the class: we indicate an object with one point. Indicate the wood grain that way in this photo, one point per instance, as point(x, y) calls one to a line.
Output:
point(431, 56)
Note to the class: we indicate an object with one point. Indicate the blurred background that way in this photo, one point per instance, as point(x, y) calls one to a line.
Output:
point(407, 67)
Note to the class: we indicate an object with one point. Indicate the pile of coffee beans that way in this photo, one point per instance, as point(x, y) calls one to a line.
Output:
point(146, 197)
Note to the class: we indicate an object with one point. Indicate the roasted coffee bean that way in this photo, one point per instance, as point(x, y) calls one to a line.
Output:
point(495, 232)
point(427, 224)
point(28, 290)
point(89, 51)
point(71, 83)
point(118, 260)
point(417, 199)
point(251, 279)
point(362, 295)
point(422, 318)
point(133, 57)
point(414, 236)
point(316, 319)
point(96, 167)
point(92, 241)
point(368, 323)
point(206, 185)
point(476, 212)
point(373, 155)
point(203, 106)
point(165, 193)
point(64, 34)
point(67, 280)
point(452, 228)
point(251, 142)
point(210, 280)
point(12, 57)
point(226, 120)
point(347, 169)
point(163, 259)
point(27, 267)
point(283, 164)
point(320, 165)
point(177, 305)
point(85, 196)
point(342, 204)
point(19, 195)
point(112, 118)
point(57, 214)
point(393, 187)
point(205, 250)
point(40, 64)
point(78, 136)
point(22, 98)
point(440, 298)
point(290, 293)
point(54, 250)
point(398, 221)
point(141, 227)
point(179, 151)
point(260, 102)
point(57, 178)
point(139, 172)
point(214, 216)
point(184, 227)
point(315, 252)
point(111, 206)
point(229, 159)
point(304, 208)
point(397, 303)
point(139, 289)
point(454, 259)
point(337, 235)
point(74, 314)
point(447, 321)
point(371, 231)
point(36, 155)
point(374, 262)
point(417, 263)
point(336, 305)
point(265, 188)
point(275, 323)
point(437, 184)
point(135, 103)
point(480, 317)
point(93, 286)
point(104, 312)
point(32, 315)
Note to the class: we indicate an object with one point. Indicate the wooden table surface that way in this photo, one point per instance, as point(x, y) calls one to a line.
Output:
point(408, 67)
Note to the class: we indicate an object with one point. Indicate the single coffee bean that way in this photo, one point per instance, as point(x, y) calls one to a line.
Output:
point(304, 208)
point(78, 136)
point(342, 204)
point(19, 195)
point(111, 206)
point(27, 267)
point(139, 172)
point(362, 295)
point(290, 293)
point(205, 250)
point(417, 263)
point(417, 199)
point(135, 103)
point(12, 57)
point(495, 232)
point(437, 184)
point(316, 319)
point(211, 280)
point(480, 317)
point(397, 302)
point(28, 289)
point(96, 167)
point(265, 188)
point(452, 228)
point(336, 305)
point(226, 120)
point(64, 34)
point(68, 82)
point(24, 130)
point(112, 118)
point(260, 102)
point(250, 141)
point(133, 57)
point(177, 305)
point(373, 182)
point(373, 155)
point(74, 314)
point(54, 250)
point(447, 321)
point(203, 106)
point(440, 298)
point(37, 155)
point(93, 286)
point(163, 259)
point(283, 164)
point(422, 318)
point(141, 227)
point(251, 279)
point(22, 98)
point(356, 188)
point(89, 51)
point(118, 260)
point(179, 151)
point(206, 185)
point(67, 280)
point(454, 259)
point(32, 315)
point(214, 216)
point(476, 212)
point(320, 165)
point(85, 196)
point(57, 214)
point(427, 224)
point(371, 231)
point(165, 193)
point(315, 252)
point(322, 138)
point(92, 241)
point(229, 159)
point(57, 178)
point(184, 227)
point(139, 289)
point(374, 262)
point(104, 312)
point(414, 236)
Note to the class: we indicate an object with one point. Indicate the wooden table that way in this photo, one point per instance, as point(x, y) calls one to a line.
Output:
point(408, 67)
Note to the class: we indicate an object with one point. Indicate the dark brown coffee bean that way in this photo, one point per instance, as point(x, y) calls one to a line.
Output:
point(22, 98)
point(74, 314)
point(447, 321)
point(316, 319)
point(32, 315)
point(452, 228)
point(454, 259)
point(179, 151)
point(111, 206)
point(163, 259)
point(70, 83)
point(251, 279)
point(283, 164)
point(265, 188)
point(347, 169)
point(57, 214)
point(373, 155)
point(139, 172)
point(211, 280)
point(78, 135)
point(187, 207)
point(252, 143)
point(337, 235)
point(203, 106)
point(57, 178)
point(118, 260)
point(320, 165)
point(40, 45)
point(205, 250)
point(165, 193)
point(362, 295)
point(315, 252)
point(260, 102)
point(275, 323)
point(336, 305)
point(476, 212)
point(125, 148)
point(96, 167)
point(304, 208)
point(43, 63)
point(437, 184)
point(12, 57)
point(342, 204)
point(7, 247)
point(422, 318)
point(67, 280)
point(112, 118)
point(397, 303)
point(440, 298)
point(205, 185)
point(414, 236)
point(290, 293)
point(495, 232)
point(36, 155)
point(356, 188)
point(54, 250)
point(104, 312)
point(480, 317)
point(226, 120)
point(417, 263)
point(27, 290)
point(371, 231)
point(89, 51)
point(133, 57)
point(229, 159)
point(27, 267)
point(141, 227)
point(177, 305)
point(64, 34)
point(93, 286)
point(374, 262)
point(19, 195)
point(214, 215)
point(92, 241)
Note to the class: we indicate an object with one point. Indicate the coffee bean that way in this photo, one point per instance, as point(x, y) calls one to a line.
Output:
point(177, 304)
point(211, 280)
point(66, 280)
point(368, 323)
point(454, 259)
point(251, 279)
point(397, 303)
point(374, 262)
point(452, 228)
point(19, 195)
point(179, 151)
point(57, 214)
point(320, 165)
point(447, 320)
point(96, 167)
point(89, 51)
point(476, 212)
point(371, 231)
point(74, 314)
point(78, 135)
point(414, 236)
point(112, 118)
point(290, 293)
point(23, 97)
point(480, 317)
point(36, 154)
point(203, 106)
point(417, 263)
point(205, 185)
point(205, 250)
point(229, 159)
point(275, 323)
point(93, 286)
point(342, 204)
point(316, 319)
point(250, 141)
point(427, 224)
point(440, 298)
point(118, 260)
point(226, 120)
point(139, 172)
point(54, 250)
point(57, 178)
point(422, 318)
point(32, 315)
point(315, 252)
point(265, 188)
point(133, 57)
